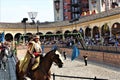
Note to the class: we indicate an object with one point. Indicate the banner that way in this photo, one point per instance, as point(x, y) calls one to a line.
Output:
point(75, 53)
point(2, 39)
point(54, 47)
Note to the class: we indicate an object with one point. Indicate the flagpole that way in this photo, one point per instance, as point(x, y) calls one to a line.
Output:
point(4, 35)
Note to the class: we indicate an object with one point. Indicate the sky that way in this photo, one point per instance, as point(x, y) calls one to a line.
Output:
point(14, 11)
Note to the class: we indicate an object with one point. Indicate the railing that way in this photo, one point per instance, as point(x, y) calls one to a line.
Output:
point(87, 78)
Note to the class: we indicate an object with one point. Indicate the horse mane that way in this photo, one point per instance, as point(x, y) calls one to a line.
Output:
point(47, 54)
point(42, 58)
point(50, 52)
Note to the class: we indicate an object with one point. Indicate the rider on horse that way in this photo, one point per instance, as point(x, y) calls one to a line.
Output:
point(32, 56)
point(34, 48)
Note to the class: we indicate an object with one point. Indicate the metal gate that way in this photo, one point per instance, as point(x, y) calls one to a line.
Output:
point(87, 78)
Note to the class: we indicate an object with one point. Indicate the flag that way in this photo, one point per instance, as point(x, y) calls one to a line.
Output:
point(54, 47)
point(75, 53)
point(2, 39)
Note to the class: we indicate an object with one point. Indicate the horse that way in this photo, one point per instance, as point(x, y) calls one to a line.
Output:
point(4, 57)
point(43, 71)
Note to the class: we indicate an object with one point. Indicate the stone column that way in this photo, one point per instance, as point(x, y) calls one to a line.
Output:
point(91, 33)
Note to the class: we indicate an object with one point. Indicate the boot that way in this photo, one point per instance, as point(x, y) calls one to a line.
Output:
point(36, 64)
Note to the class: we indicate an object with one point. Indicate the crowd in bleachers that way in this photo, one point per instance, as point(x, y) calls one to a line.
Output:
point(69, 41)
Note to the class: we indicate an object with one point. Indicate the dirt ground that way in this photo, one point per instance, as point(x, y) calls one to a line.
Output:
point(77, 68)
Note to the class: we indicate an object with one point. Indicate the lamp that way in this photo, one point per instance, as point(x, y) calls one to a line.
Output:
point(24, 22)
point(32, 16)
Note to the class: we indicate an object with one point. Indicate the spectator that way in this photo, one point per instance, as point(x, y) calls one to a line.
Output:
point(85, 59)
point(64, 54)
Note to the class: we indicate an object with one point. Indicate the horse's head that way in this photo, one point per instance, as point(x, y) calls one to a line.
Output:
point(56, 57)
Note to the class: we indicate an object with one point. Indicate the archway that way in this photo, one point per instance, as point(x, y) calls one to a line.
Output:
point(75, 34)
point(74, 31)
point(105, 33)
point(41, 35)
point(9, 37)
point(66, 34)
point(88, 32)
point(29, 34)
point(59, 35)
point(116, 31)
point(49, 36)
point(58, 32)
point(115, 28)
point(28, 37)
point(82, 32)
point(17, 36)
point(96, 33)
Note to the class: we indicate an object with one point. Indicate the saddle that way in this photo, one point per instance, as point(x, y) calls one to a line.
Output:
point(29, 70)
point(33, 63)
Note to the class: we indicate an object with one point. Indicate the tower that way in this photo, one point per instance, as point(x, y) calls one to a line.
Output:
point(58, 10)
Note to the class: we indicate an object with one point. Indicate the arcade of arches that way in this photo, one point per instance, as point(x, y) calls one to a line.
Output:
point(104, 31)
point(100, 28)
